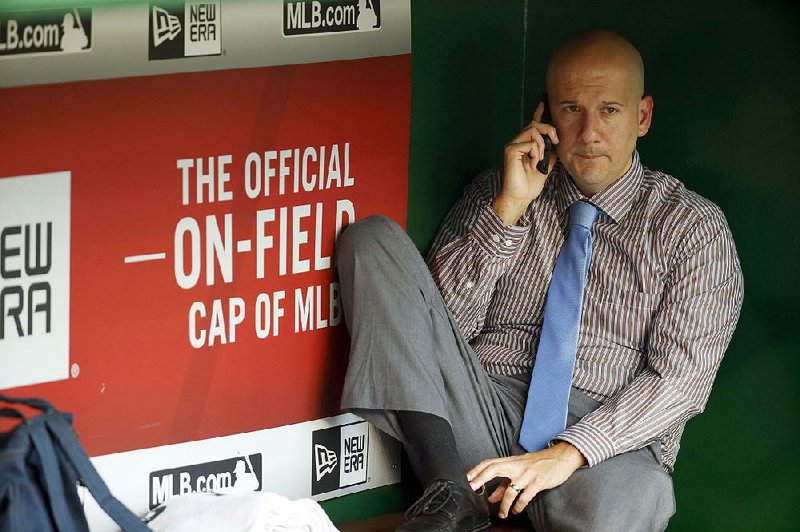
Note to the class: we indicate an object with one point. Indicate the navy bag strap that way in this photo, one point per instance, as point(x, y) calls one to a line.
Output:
point(10, 412)
point(52, 474)
point(62, 432)
point(65, 437)
point(38, 404)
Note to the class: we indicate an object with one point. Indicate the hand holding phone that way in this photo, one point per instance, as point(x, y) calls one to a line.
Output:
point(526, 162)
point(542, 165)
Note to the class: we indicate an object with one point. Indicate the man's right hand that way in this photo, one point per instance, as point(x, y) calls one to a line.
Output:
point(522, 182)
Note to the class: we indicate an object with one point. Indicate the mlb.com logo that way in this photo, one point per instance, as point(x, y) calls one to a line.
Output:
point(185, 28)
point(241, 474)
point(46, 31)
point(339, 457)
point(304, 17)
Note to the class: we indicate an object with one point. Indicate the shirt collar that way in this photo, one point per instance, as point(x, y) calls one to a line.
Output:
point(615, 201)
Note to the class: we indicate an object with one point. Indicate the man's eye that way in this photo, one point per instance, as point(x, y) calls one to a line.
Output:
point(572, 108)
point(611, 110)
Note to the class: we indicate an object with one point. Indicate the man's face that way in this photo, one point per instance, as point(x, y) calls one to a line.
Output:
point(598, 114)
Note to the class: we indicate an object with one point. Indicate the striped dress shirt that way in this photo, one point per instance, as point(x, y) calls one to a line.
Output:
point(661, 301)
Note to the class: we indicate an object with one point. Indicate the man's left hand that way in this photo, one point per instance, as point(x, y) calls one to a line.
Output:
point(527, 475)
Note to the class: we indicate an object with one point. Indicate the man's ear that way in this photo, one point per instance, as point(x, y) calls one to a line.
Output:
point(645, 114)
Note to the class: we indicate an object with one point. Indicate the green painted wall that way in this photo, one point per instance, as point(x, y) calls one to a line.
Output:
point(726, 81)
point(468, 68)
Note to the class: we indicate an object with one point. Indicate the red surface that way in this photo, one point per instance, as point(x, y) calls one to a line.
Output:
point(141, 383)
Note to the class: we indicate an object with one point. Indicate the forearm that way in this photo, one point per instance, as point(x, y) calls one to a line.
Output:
point(675, 385)
point(649, 407)
point(569, 454)
point(472, 250)
point(466, 270)
point(510, 210)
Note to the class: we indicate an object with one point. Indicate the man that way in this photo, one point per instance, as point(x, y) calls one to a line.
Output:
point(458, 368)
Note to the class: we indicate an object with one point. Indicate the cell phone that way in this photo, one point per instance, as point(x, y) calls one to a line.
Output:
point(548, 144)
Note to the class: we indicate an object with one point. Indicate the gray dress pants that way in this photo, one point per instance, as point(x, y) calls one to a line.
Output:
point(407, 353)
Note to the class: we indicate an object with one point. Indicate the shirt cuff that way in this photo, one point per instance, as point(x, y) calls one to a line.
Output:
point(494, 238)
point(593, 444)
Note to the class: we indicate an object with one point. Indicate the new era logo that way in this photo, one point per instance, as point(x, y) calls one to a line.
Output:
point(324, 461)
point(165, 26)
point(34, 278)
point(339, 456)
point(185, 28)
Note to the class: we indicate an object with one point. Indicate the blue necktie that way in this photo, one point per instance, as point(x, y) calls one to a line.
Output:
point(548, 394)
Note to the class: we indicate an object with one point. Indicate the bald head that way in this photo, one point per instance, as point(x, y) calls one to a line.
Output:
point(598, 47)
point(595, 86)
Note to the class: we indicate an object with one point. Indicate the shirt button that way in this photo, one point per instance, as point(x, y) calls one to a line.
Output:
point(496, 239)
point(468, 285)
point(509, 242)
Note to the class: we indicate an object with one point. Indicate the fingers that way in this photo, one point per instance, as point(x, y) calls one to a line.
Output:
point(527, 147)
point(486, 471)
point(504, 493)
point(514, 494)
point(549, 130)
point(525, 152)
point(513, 499)
point(509, 497)
point(478, 476)
point(519, 493)
point(544, 129)
point(524, 498)
point(534, 131)
point(530, 136)
point(524, 477)
point(498, 493)
point(538, 112)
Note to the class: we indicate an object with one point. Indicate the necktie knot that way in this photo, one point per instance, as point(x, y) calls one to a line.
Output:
point(583, 213)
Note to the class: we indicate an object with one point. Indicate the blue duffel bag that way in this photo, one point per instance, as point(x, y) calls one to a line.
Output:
point(41, 463)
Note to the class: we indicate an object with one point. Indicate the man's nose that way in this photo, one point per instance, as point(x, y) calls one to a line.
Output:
point(588, 128)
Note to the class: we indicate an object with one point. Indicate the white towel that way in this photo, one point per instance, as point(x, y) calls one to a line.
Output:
point(238, 512)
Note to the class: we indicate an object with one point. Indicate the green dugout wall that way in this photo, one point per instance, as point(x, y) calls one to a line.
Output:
point(726, 84)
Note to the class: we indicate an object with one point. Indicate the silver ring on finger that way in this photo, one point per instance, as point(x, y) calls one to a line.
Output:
point(516, 488)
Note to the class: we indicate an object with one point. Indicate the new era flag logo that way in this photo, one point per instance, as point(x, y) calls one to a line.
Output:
point(165, 26)
point(324, 460)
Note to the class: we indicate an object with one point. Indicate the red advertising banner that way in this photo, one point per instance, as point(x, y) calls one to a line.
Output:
point(189, 221)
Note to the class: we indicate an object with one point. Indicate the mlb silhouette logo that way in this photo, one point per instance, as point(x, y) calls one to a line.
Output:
point(339, 457)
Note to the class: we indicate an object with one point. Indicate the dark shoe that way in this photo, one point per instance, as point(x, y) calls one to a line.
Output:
point(446, 506)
